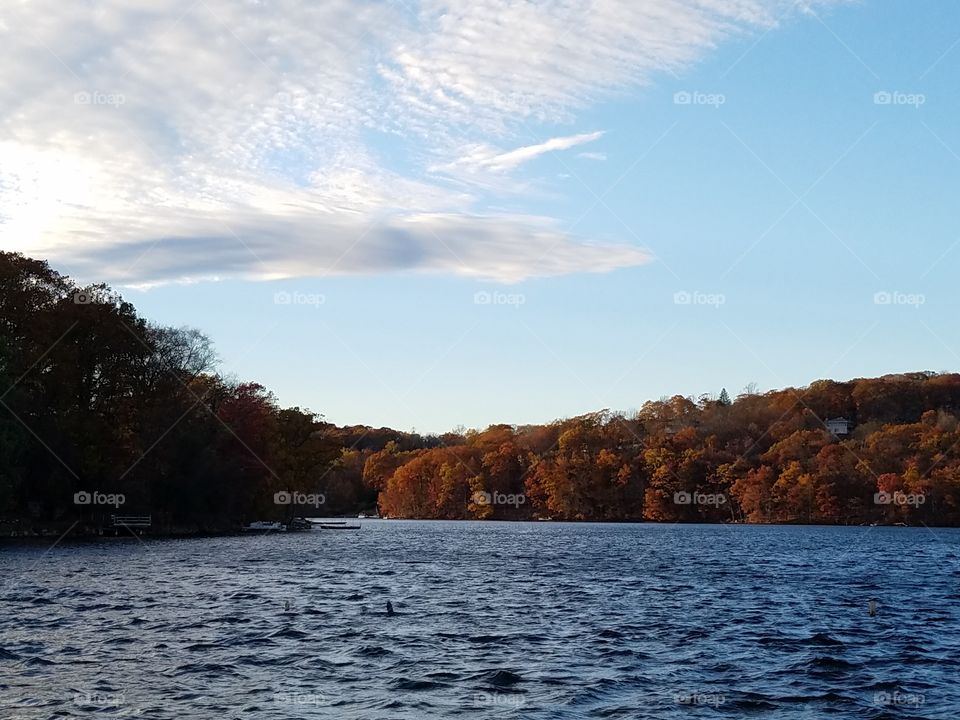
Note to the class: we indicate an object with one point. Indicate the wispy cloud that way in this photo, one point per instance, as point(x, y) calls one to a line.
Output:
point(154, 141)
point(599, 156)
point(499, 63)
point(484, 158)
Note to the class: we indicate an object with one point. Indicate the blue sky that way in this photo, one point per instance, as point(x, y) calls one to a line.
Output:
point(411, 225)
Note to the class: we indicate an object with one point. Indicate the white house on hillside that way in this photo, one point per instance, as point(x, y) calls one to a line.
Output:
point(838, 426)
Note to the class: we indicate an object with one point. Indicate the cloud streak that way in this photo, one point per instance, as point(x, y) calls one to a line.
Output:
point(500, 247)
point(509, 160)
point(479, 160)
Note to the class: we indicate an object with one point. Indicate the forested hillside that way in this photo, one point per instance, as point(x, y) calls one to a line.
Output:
point(759, 458)
point(95, 399)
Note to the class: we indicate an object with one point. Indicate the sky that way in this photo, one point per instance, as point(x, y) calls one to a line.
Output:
point(463, 212)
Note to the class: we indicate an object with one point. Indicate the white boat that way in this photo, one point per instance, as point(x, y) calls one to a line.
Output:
point(330, 524)
point(265, 526)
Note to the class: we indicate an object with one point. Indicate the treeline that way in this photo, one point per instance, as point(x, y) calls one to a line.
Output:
point(97, 402)
point(95, 399)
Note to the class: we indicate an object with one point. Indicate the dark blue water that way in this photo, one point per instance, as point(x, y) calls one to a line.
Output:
point(492, 620)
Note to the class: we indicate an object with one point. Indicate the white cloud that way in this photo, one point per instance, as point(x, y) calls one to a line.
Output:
point(599, 156)
point(139, 139)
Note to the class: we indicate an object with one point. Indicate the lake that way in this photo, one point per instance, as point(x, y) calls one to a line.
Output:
point(498, 620)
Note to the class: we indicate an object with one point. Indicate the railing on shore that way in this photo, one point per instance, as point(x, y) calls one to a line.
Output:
point(142, 521)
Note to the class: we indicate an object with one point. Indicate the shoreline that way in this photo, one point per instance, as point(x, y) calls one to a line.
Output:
point(62, 533)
